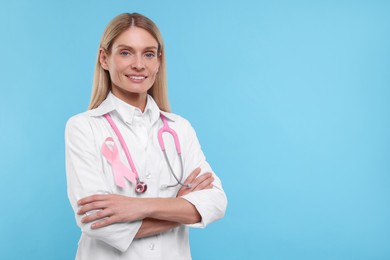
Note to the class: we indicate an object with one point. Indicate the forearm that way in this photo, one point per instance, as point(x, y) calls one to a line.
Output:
point(172, 209)
point(151, 227)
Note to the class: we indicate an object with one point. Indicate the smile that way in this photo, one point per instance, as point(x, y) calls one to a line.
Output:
point(136, 77)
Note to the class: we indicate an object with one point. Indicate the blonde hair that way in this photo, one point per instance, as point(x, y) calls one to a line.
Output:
point(102, 81)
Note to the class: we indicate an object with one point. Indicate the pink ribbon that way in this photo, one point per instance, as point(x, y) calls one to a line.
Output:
point(119, 169)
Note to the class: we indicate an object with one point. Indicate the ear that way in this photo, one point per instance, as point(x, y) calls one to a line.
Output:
point(103, 58)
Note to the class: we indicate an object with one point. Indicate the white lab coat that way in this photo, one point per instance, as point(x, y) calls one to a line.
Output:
point(89, 173)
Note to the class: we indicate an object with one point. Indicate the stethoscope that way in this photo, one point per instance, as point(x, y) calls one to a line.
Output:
point(140, 186)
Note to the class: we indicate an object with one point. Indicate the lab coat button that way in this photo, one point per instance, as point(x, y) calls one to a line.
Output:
point(151, 246)
point(148, 176)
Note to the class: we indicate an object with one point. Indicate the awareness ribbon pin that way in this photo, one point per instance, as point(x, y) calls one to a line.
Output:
point(119, 169)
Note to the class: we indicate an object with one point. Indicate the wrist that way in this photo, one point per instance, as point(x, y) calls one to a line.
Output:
point(150, 207)
point(159, 208)
point(139, 208)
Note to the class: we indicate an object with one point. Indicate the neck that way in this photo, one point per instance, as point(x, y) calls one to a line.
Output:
point(134, 99)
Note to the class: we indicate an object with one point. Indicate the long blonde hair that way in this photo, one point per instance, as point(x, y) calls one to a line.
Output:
point(102, 81)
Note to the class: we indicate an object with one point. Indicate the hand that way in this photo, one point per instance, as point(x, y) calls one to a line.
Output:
point(109, 209)
point(202, 182)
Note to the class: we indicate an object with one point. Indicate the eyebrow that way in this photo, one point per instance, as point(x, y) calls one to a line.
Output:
point(123, 46)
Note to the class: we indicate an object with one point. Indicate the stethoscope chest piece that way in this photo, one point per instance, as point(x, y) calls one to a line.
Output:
point(141, 187)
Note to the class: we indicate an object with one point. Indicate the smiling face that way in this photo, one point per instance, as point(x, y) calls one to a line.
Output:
point(132, 63)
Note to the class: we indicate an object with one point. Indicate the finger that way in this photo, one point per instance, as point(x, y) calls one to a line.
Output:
point(103, 223)
point(91, 206)
point(205, 184)
point(92, 198)
point(187, 186)
point(182, 191)
point(200, 184)
point(100, 214)
point(192, 176)
point(200, 179)
point(210, 186)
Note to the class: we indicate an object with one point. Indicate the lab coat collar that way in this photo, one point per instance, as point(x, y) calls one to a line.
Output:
point(112, 103)
point(105, 107)
point(169, 116)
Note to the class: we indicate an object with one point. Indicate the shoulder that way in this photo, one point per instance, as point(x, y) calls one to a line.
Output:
point(180, 124)
point(78, 119)
point(176, 119)
point(79, 123)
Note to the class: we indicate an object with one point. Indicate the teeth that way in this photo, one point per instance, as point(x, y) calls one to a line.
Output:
point(137, 77)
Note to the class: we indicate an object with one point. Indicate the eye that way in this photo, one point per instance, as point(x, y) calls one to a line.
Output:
point(125, 53)
point(150, 55)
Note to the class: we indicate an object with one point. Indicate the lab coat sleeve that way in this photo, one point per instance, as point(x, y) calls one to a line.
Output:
point(210, 203)
point(85, 177)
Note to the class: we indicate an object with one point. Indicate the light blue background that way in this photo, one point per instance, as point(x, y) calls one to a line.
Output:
point(290, 100)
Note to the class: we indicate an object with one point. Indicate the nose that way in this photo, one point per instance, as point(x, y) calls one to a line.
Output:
point(138, 63)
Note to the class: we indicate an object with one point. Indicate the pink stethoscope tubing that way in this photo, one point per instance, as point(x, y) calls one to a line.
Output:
point(141, 187)
point(166, 129)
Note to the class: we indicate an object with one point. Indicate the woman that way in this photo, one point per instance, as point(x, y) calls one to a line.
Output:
point(122, 217)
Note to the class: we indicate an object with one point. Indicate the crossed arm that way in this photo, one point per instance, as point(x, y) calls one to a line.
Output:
point(157, 214)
